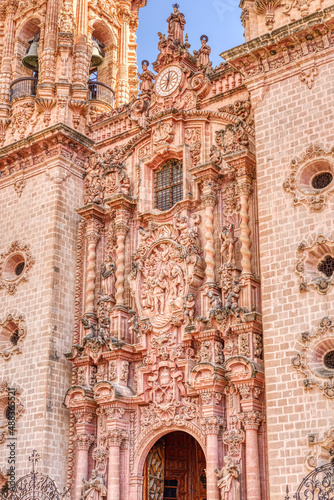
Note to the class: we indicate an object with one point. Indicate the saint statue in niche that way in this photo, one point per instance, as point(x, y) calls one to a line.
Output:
point(94, 489)
point(228, 482)
point(176, 23)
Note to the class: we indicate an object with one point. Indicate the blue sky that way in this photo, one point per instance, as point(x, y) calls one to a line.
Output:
point(218, 19)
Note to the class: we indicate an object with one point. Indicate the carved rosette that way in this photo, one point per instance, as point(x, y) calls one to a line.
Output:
point(15, 265)
point(315, 359)
point(166, 267)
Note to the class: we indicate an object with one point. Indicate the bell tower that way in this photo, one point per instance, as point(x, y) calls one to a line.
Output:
point(63, 63)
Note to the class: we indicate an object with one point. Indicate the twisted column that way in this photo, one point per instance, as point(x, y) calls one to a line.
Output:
point(251, 421)
point(8, 51)
point(123, 82)
point(209, 200)
point(83, 443)
point(121, 230)
point(93, 236)
point(245, 190)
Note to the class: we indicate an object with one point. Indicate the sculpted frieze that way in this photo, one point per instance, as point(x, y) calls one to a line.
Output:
point(166, 268)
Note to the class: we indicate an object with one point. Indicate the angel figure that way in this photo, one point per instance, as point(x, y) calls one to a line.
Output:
point(228, 241)
point(189, 308)
point(94, 488)
point(228, 480)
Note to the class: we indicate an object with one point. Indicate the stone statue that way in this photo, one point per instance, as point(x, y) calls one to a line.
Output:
point(189, 308)
point(107, 273)
point(94, 489)
point(202, 55)
point(232, 302)
point(228, 482)
point(176, 23)
point(228, 241)
point(147, 78)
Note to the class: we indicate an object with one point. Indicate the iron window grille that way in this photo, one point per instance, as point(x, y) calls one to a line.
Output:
point(168, 185)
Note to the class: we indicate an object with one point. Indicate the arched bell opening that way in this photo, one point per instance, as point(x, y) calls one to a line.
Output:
point(175, 469)
point(25, 74)
point(101, 80)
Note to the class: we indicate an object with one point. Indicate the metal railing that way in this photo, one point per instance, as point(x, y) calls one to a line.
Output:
point(100, 92)
point(23, 87)
point(317, 485)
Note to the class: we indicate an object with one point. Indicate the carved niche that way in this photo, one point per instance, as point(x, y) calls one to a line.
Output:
point(15, 265)
point(166, 267)
point(311, 177)
point(316, 358)
point(315, 265)
point(12, 333)
point(11, 409)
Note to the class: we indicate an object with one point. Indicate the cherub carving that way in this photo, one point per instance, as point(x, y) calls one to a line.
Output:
point(232, 302)
point(90, 331)
point(94, 489)
point(215, 155)
point(189, 308)
point(228, 482)
point(228, 241)
point(215, 303)
point(147, 78)
point(176, 23)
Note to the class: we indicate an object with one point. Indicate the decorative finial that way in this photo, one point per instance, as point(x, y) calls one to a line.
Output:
point(34, 457)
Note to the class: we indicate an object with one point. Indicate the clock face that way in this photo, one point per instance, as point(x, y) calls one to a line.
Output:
point(168, 80)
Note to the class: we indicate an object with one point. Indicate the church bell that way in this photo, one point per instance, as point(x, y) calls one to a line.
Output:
point(30, 60)
point(97, 58)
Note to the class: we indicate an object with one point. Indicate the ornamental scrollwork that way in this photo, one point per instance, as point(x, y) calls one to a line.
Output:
point(15, 265)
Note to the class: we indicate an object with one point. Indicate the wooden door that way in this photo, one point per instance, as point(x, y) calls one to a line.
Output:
point(176, 469)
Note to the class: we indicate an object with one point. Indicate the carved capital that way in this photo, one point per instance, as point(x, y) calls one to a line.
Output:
point(252, 419)
point(115, 437)
point(212, 425)
point(209, 200)
point(84, 441)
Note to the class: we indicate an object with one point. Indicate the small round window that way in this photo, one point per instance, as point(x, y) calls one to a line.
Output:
point(322, 180)
point(329, 360)
point(14, 267)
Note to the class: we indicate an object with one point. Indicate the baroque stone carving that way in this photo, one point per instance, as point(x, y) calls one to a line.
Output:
point(66, 21)
point(307, 76)
point(12, 333)
point(166, 267)
point(267, 7)
point(321, 447)
point(94, 488)
point(193, 140)
point(315, 160)
point(232, 138)
point(15, 265)
point(203, 55)
point(314, 266)
point(311, 360)
point(176, 23)
point(228, 482)
point(147, 79)
point(233, 438)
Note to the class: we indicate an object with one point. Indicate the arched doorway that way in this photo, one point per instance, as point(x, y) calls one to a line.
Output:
point(175, 469)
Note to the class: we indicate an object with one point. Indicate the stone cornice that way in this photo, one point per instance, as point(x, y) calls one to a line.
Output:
point(279, 35)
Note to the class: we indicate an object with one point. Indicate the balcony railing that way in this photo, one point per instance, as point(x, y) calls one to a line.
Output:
point(23, 87)
point(101, 92)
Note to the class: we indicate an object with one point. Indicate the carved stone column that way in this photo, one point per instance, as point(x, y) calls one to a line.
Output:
point(94, 215)
point(48, 56)
point(251, 421)
point(245, 189)
point(121, 229)
point(211, 427)
point(115, 438)
point(136, 487)
point(83, 443)
point(209, 200)
point(8, 51)
point(123, 78)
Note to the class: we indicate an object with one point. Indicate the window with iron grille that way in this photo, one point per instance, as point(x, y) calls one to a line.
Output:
point(168, 185)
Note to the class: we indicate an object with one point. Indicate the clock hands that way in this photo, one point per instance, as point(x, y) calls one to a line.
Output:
point(167, 84)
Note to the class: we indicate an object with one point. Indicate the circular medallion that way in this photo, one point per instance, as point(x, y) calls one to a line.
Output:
point(168, 80)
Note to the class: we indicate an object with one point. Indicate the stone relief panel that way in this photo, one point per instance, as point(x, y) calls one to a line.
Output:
point(320, 448)
point(311, 177)
point(15, 265)
point(315, 360)
point(315, 265)
point(166, 268)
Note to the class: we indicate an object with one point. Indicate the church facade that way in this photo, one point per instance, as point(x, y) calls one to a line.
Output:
point(167, 256)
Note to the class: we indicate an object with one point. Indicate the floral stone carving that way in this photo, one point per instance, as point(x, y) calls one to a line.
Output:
point(316, 358)
point(315, 265)
point(15, 265)
point(306, 171)
point(166, 267)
